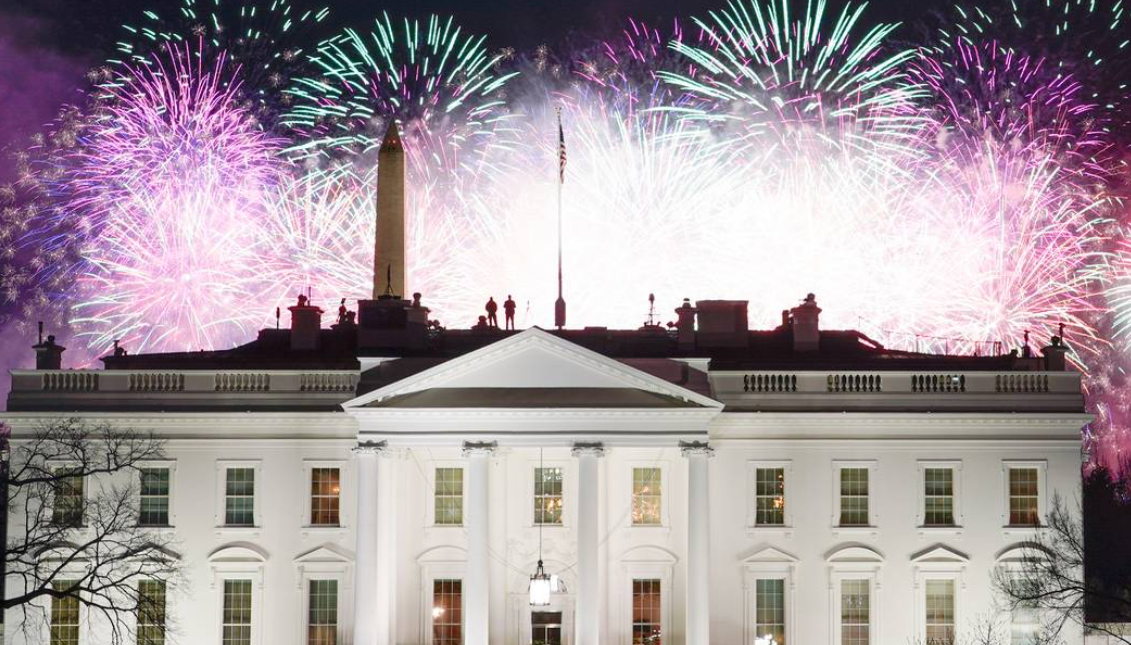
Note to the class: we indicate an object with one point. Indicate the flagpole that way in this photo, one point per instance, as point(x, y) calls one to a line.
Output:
point(560, 304)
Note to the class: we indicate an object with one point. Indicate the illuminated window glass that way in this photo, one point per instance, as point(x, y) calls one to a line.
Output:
point(647, 496)
point(322, 619)
point(769, 609)
point(449, 496)
point(447, 612)
point(769, 496)
point(64, 615)
point(239, 497)
point(1023, 497)
point(938, 497)
point(547, 495)
point(325, 496)
point(237, 612)
point(647, 609)
point(854, 497)
point(151, 612)
point(855, 612)
point(940, 612)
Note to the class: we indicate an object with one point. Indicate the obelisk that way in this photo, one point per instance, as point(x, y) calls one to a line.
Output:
point(388, 254)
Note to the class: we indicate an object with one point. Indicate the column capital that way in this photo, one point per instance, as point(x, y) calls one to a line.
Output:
point(592, 449)
point(369, 448)
point(479, 448)
point(696, 449)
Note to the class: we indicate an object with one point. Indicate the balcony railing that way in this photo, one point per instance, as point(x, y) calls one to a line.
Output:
point(171, 382)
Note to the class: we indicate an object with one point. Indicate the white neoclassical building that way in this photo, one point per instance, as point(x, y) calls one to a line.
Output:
point(387, 482)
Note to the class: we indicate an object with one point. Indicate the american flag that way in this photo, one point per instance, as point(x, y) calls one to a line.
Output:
point(561, 147)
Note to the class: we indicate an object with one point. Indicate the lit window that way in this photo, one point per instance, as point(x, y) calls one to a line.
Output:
point(546, 628)
point(154, 504)
point(646, 496)
point(855, 612)
point(64, 615)
point(66, 509)
point(322, 625)
point(769, 609)
point(647, 607)
point(449, 496)
point(547, 495)
point(854, 497)
point(151, 612)
point(940, 612)
point(1024, 625)
point(1023, 497)
point(237, 612)
point(447, 612)
point(938, 497)
point(325, 496)
point(769, 496)
point(239, 497)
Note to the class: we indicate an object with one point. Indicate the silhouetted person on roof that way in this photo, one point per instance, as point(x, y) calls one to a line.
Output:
point(508, 311)
point(492, 312)
point(342, 312)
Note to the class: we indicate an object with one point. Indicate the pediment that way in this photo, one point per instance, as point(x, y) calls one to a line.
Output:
point(940, 554)
point(855, 553)
point(532, 369)
point(1022, 553)
point(770, 554)
point(327, 553)
point(238, 552)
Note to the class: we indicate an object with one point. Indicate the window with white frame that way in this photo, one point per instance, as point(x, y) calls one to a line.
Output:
point(1024, 625)
point(155, 487)
point(939, 619)
point(447, 612)
point(854, 496)
point(938, 496)
point(769, 609)
point(769, 496)
point(1024, 490)
point(448, 497)
point(647, 496)
point(548, 495)
point(67, 497)
point(546, 628)
point(64, 615)
point(151, 612)
point(237, 610)
point(325, 496)
point(239, 496)
point(855, 611)
point(647, 611)
point(322, 612)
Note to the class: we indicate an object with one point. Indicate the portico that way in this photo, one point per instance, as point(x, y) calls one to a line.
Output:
point(493, 410)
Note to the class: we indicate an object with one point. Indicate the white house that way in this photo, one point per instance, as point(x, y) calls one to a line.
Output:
point(392, 483)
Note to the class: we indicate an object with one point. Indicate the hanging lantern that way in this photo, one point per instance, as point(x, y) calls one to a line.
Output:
point(539, 587)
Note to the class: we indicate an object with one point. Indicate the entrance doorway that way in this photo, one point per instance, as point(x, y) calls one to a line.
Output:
point(546, 628)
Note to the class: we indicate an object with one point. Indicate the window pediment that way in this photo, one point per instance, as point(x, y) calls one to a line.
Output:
point(238, 552)
point(326, 553)
point(854, 554)
point(940, 554)
point(769, 554)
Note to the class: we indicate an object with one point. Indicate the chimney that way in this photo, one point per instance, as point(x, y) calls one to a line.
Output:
point(48, 355)
point(806, 331)
point(685, 325)
point(388, 255)
point(1055, 353)
point(722, 323)
point(306, 324)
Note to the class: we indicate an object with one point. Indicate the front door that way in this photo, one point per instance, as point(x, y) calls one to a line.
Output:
point(546, 628)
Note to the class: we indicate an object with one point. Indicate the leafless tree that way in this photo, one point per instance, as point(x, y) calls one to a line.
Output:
point(73, 530)
point(991, 628)
point(1051, 577)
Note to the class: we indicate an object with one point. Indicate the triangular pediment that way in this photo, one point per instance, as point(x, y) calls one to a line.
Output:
point(529, 366)
point(770, 554)
point(940, 554)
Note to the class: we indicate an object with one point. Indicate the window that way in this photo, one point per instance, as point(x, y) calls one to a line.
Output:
point(855, 612)
point(1024, 625)
point(322, 623)
point(940, 612)
point(154, 505)
point(449, 496)
point(1024, 495)
point(64, 616)
point(769, 496)
point(151, 612)
point(546, 628)
point(853, 497)
point(938, 497)
point(239, 497)
point(647, 497)
point(548, 496)
point(237, 612)
point(325, 496)
point(66, 509)
point(647, 609)
point(447, 610)
point(769, 609)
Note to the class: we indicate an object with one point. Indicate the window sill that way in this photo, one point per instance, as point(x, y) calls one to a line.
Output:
point(239, 530)
point(856, 530)
point(157, 528)
point(955, 531)
point(650, 528)
point(1030, 531)
point(319, 529)
point(755, 531)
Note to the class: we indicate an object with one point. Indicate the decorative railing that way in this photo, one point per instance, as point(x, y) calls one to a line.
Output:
point(327, 382)
point(769, 383)
point(855, 383)
point(70, 381)
point(157, 382)
point(1022, 382)
point(936, 383)
point(243, 382)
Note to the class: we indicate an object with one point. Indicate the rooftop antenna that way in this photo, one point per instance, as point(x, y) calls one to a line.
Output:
point(41, 332)
point(560, 303)
point(651, 310)
point(277, 313)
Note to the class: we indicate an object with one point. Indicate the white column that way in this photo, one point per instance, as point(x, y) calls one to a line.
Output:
point(698, 544)
point(476, 583)
point(365, 628)
point(588, 541)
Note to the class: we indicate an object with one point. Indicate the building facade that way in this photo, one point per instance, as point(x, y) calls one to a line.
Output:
point(388, 482)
